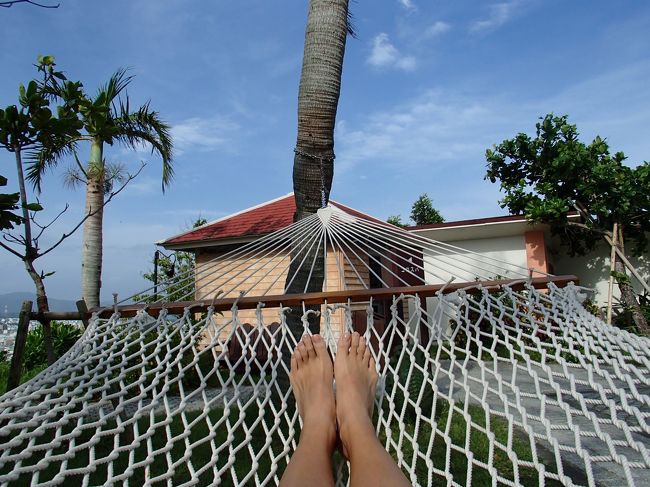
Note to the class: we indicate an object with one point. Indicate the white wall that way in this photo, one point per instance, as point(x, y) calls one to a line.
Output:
point(466, 266)
point(593, 269)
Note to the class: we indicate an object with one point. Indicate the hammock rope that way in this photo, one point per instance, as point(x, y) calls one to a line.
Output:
point(478, 385)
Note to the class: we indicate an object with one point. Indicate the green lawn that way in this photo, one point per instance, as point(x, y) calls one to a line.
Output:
point(248, 438)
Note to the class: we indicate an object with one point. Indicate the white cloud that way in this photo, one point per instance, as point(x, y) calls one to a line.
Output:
point(437, 28)
point(408, 4)
point(143, 185)
point(430, 129)
point(499, 14)
point(203, 134)
point(385, 55)
point(443, 129)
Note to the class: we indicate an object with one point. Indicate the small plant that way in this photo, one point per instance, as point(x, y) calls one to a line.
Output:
point(64, 336)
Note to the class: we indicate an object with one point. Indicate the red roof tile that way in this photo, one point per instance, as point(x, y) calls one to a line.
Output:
point(258, 220)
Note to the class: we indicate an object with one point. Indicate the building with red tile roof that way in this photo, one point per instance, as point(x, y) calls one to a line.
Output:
point(247, 225)
point(504, 238)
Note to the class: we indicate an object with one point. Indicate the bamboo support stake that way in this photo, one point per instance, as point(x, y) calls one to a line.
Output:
point(612, 263)
point(627, 263)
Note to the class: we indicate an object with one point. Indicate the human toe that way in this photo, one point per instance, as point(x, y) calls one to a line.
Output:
point(319, 345)
point(301, 351)
point(343, 345)
point(361, 348)
point(309, 346)
point(355, 342)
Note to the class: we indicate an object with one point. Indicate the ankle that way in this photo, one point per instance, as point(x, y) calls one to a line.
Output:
point(320, 435)
point(354, 434)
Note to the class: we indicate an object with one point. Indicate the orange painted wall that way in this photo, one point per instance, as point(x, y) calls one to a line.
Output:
point(536, 258)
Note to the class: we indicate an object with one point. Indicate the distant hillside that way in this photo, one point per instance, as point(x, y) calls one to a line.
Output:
point(13, 301)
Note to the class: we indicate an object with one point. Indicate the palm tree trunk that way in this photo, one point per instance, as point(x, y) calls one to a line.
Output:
point(628, 296)
point(313, 165)
point(318, 97)
point(320, 84)
point(91, 249)
point(31, 254)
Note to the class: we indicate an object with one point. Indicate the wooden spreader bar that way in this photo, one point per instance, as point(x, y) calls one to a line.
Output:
point(332, 297)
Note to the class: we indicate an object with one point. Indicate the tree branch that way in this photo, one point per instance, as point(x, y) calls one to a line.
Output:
point(586, 227)
point(44, 227)
point(92, 212)
point(11, 238)
point(582, 210)
point(31, 2)
point(6, 247)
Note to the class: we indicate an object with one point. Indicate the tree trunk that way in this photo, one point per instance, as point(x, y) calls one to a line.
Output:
point(628, 296)
point(30, 255)
point(318, 97)
point(91, 249)
point(313, 169)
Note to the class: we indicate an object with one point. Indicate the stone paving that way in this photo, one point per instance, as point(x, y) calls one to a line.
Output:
point(605, 473)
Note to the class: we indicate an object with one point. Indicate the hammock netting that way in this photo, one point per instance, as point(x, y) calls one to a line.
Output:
point(480, 384)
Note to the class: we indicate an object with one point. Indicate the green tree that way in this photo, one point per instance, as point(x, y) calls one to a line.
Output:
point(423, 212)
point(8, 203)
point(107, 118)
point(396, 220)
point(552, 174)
point(174, 277)
point(30, 126)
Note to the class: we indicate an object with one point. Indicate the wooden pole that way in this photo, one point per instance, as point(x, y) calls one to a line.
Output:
point(612, 263)
point(620, 255)
point(19, 346)
point(83, 311)
point(627, 263)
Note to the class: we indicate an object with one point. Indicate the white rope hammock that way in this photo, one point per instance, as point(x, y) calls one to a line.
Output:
point(479, 385)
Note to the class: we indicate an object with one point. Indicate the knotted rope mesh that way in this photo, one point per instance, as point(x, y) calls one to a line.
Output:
point(478, 385)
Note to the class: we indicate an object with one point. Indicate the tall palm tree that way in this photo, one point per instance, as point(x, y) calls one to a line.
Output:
point(107, 118)
point(313, 168)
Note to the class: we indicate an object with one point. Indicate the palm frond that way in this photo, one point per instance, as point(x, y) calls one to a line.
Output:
point(145, 125)
point(73, 178)
point(351, 28)
point(115, 171)
point(47, 157)
point(115, 85)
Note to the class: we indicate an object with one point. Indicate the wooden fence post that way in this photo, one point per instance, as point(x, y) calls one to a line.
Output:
point(83, 311)
point(19, 346)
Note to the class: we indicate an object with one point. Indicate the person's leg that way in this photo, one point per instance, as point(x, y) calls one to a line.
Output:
point(312, 378)
point(356, 380)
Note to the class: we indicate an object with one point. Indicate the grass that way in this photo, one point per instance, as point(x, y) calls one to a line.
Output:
point(211, 439)
point(424, 440)
point(430, 444)
point(204, 435)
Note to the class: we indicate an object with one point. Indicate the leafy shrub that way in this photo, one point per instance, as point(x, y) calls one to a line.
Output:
point(64, 336)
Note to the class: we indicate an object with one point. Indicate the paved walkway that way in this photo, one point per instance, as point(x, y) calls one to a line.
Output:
point(564, 417)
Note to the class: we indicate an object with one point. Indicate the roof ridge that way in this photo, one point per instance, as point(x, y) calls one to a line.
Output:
point(343, 207)
point(227, 217)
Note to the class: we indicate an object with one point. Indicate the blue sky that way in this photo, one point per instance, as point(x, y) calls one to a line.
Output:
point(427, 87)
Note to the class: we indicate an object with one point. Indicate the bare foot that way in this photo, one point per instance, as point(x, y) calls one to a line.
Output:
point(311, 377)
point(356, 381)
